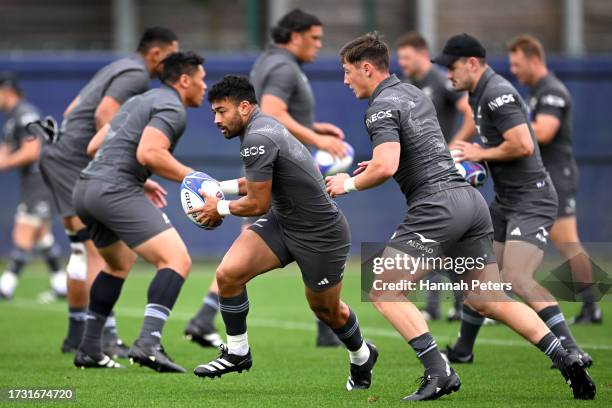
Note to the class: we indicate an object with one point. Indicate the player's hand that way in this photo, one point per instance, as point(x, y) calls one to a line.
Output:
point(335, 184)
point(361, 166)
point(330, 129)
point(155, 193)
point(207, 215)
point(333, 145)
point(469, 151)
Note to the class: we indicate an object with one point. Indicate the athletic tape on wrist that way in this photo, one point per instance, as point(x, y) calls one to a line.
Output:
point(349, 185)
point(223, 208)
point(230, 187)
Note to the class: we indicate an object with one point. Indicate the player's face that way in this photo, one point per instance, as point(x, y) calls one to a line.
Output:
point(459, 75)
point(227, 118)
point(520, 66)
point(310, 42)
point(409, 60)
point(196, 88)
point(356, 79)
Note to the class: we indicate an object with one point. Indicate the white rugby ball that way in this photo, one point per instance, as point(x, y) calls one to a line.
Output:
point(330, 165)
point(191, 198)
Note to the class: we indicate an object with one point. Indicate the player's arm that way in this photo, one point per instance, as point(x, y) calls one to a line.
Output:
point(154, 152)
point(106, 110)
point(71, 106)
point(382, 166)
point(274, 106)
point(28, 153)
point(97, 140)
point(468, 129)
point(517, 144)
point(545, 127)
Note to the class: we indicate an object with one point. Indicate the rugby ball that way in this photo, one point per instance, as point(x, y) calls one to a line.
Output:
point(473, 172)
point(191, 198)
point(330, 165)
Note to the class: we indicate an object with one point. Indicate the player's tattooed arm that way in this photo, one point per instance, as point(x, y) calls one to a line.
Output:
point(28, 153)
point(105, 111)
point(382, 166)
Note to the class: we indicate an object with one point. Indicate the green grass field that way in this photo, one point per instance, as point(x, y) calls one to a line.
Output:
point(288, 370)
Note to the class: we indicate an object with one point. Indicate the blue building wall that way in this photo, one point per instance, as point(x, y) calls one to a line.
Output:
point(51, 81)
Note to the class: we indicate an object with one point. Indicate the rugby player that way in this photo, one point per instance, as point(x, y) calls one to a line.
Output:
point(525, 204)
point(33, 220)
point(414, 60)
point(299, 222)
point(550, 106)
point(283, 92)
point(445, 215)
point(120, 208)
point(61, 163)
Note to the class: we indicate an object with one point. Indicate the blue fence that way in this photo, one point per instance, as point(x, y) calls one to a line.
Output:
point(51, 81)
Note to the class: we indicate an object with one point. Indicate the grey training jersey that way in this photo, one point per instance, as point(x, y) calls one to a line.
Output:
point(400, 112)
point(116, 160)
point(549, 96)
point(120, 80)
point(299, 198)
point(15, 134)
point(498, 107)
point(435, 85)
point(278, 72)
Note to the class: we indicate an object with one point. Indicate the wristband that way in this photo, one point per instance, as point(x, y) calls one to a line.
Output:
point(230, 187)
point(223, 208)
point(349, 185)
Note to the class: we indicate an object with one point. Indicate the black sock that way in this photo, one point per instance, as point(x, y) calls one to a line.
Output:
point(471, 321)
point(52, 255)
point(103, 295)
point(350, 333)
point(76, 325)
point(19, 258)
point(234, 311)
point(163, 292)
point(207, 313)
point(551, 346)
point(553, 317)
point(427, 351)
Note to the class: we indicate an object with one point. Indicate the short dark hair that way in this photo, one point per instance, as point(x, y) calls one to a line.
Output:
point(155, 36)
point(412, 39)
point(369, 47)
point(294, 21)
point(179, 63)
point(9, 80)
point(530, 46)
point(233, 87)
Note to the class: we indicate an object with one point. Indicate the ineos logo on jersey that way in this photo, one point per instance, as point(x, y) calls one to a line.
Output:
point(500, 100)
point(252, 151)
point(378, 115)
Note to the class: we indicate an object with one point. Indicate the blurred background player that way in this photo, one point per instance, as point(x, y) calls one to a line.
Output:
point(525, 204)
point(62, 162)
point(33, 220)
point(414, 60)
point(551, 119)
point(121, 207)
point(299, 222)
point(283, 92)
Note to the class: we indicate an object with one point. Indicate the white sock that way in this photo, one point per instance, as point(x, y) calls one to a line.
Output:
point(360, 357)
point(8, 283)
point(238, 345)
point(77, 264)
point(58, 283)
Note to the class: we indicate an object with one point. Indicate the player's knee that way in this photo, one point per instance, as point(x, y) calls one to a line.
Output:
point(225, 278)
point(487, 309)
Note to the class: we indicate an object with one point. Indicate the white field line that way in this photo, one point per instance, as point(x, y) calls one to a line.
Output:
point(279, 324)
